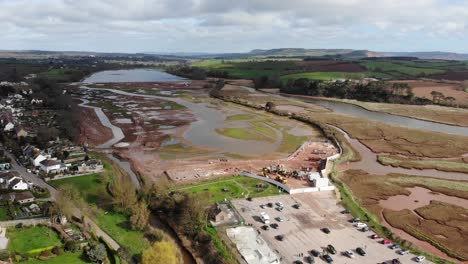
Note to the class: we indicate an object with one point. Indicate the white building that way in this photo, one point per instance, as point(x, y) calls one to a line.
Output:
point(37, 158)
point(9, 126)
point(18, 185)
point(49, 165)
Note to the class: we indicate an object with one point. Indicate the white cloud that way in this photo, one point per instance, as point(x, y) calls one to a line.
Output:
point(226, 25)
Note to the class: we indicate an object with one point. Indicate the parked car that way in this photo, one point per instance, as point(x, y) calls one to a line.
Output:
point(297, 206)
point(375, 236)
point(274, 225)
point(280, 237)
point(360, 251)
point(403, 251)
point(355, 220)
point(310, 259)
point(315, 253)
point(386, 241)
point(262, 206)
point(331, 249)
point(279, 208)
point(420, 258)
point(360, 225)
point(349, 254)
point(345, 212)
point(394, 246)
point(396, 261)
point(327, 258)
point(326, 230)
point(249, 199)
point(279, 219)
point(265, 227)
point(365, 229)
point(270, 205)
point(297, 262)
point(280, 204)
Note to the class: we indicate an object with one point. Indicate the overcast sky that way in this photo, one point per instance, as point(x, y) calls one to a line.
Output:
point(233, 25)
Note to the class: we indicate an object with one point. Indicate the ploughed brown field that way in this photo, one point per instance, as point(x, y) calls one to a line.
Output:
point(452, 76)
point(424, 89)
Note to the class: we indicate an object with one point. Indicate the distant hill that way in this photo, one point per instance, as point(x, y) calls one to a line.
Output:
point(428, 55)
point(299, 52)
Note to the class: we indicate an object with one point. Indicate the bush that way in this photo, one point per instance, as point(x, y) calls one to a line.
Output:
point(20, 225)
point(45, 254)
point(71, 246)
point(154, 236)
point(96, 253)
point(57, 251)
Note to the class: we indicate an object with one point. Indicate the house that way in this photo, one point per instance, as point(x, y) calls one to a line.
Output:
point(50, 165)
point(37, 158)
point(21, 132)
point(90, 166)
point(7, 177)
point(24, 197)
point(18, 184)
point(9, 126)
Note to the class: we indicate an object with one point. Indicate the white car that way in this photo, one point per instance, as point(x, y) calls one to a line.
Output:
point(403, 252)
point(360, 225)
point(349, 254)
point(279, 219)
point(280, 204)
point(420, 258)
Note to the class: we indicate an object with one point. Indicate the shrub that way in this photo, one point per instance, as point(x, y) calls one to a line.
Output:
point(96, 253)
point(71, 246)
point(19, 225)
point(57, 251)
point(154, 236)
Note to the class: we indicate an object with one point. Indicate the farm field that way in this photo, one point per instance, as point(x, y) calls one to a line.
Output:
point(67, 257)
point(325, 76)
point(234, 187)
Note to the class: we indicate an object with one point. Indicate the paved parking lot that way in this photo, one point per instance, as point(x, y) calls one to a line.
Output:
point(301, 229)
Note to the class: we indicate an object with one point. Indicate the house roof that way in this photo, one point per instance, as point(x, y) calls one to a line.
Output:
point(23, 195)
point(15, 181)
point(49, 162)
point(9, 175)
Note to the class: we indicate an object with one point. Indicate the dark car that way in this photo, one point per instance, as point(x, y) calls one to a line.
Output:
point(310, 259)
point(265, 227)
point(297, 262)
point(326, 230)
point(327, 258)
point(365, 229)
point(396, 261)
point(394, 246)
point(280, 237)
point(297, 206)
point(345, 212)
point(315, 253)
point(270, 205)
point(249, 199)
point(274, 225)
point(331, 249)
point(360, 251)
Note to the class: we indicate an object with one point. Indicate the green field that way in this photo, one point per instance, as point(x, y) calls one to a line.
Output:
point(291, 142)
point(243, 133)
point(239, 117)
point(325, 76)
point(117, 226)
point(25, 239)
point(248, 69)
point(236, 186)
point(4, 213)
point(66, 258)
point(397, 69)
point(92, 187)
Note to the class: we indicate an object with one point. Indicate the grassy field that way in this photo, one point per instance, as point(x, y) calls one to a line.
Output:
point(398, 70)
point(92, 187)
point(25, 239)
point(291, 142)
point(240, 117)
point(409, 163)
point(325, 76)
point(242, 133)
point(248, 69)
point(66, 258)
point(236, 186)
point(4, 213)
point(117, 226)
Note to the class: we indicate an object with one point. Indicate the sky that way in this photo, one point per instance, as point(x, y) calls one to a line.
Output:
point(215, 26)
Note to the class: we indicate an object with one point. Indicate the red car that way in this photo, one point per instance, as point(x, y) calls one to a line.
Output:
point(375, 236)
point(386, 242)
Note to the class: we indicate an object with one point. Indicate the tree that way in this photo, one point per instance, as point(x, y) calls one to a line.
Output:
point(123, 193)
point(66, 200)
point(163, 252)
point(450, 100)
point(71, 246)
point(97, 253)
point(140, 216)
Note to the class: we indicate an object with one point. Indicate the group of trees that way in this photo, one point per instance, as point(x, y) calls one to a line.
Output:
point(196, 73)
point(377, 91)
point(440, 98)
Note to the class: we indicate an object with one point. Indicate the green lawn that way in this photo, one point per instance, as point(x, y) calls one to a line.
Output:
point(240, 117)
point(66, 258)
point(116, 225)
point(398, 69)
point(290, 142)
point(242, 133)
point(25, 239)
point(4, 213)
point(92, 187)
point(236, 186)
